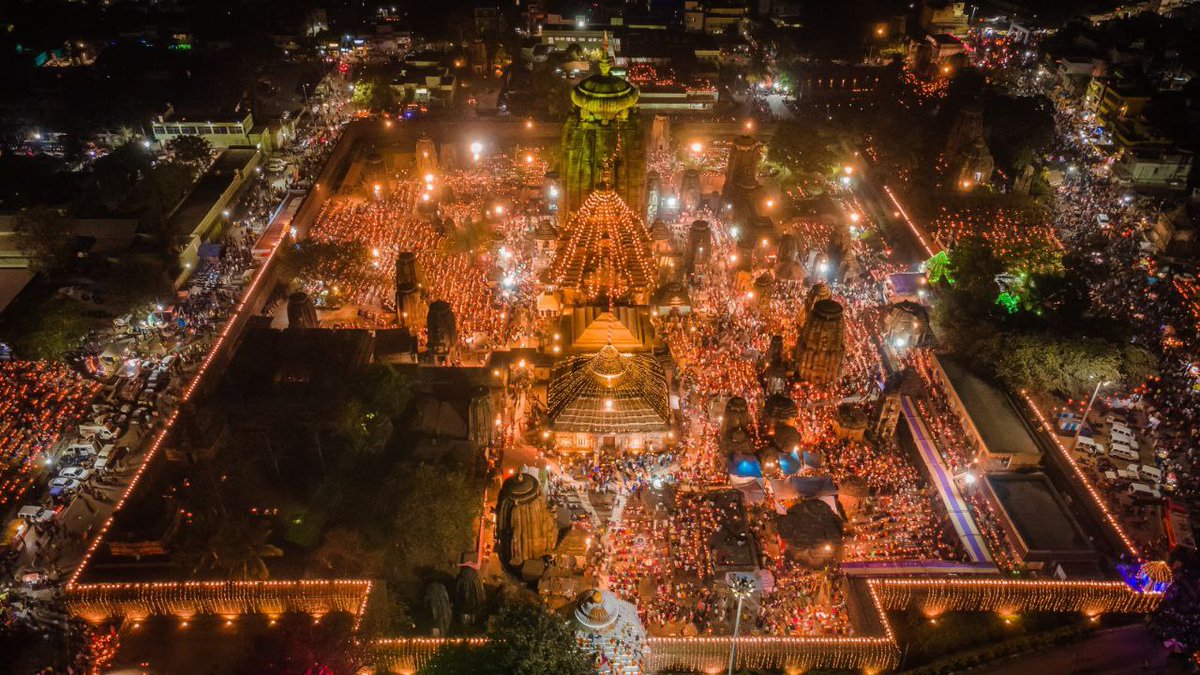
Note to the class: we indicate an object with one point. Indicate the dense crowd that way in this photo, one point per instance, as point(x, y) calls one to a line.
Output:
point(39, 400)
point(1156, 299)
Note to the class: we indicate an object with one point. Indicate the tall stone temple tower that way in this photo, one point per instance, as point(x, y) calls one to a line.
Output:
point(741, 175)
point(425, 158)
point(821, 346)
point(601, 129)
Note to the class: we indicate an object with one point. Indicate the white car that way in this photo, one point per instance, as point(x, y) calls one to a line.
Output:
point(1123, 452)
point(77, 472)
point(36, 514)
point(64, 484)
point(1102, 220)
point(1090, 446)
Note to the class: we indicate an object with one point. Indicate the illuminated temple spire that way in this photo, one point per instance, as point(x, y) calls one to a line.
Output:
point(603, 125)
point(605, 251)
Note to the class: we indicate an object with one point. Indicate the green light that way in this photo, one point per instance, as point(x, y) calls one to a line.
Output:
point(1011, 303)
point(938, 268)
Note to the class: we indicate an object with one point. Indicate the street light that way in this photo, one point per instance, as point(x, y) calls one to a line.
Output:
point(741, 587)
point(1086, 410)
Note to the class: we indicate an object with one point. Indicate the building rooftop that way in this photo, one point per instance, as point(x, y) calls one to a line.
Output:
point(991, 411)
point(211, 186)
point(609, 393)
point(1038, 512)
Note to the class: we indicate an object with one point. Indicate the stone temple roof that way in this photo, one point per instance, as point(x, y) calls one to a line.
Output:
point(609, 393)
point(604, 96)
point(604, 249)
point(610, 629)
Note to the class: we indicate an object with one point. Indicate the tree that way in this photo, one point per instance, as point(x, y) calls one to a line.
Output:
point(1018, 128)
point(163, 187)
point(194, 152)
point(375, 94)
point(384, 389)
point(531, 641)
point(135, 281)
point(811, 149)
point(938, 267)
point(239, 549)
point(115, 177)
point(1138, 365)
point(344, 553)
point(363, 429)
point(434, 511)
point(43, 235)
point(46, 330)
point(550, 92)
point(523, 639)
point(300, 647)
point(1068, 366)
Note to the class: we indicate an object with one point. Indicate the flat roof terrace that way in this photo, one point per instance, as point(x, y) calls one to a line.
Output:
point(1037, 515)
point(995, 419)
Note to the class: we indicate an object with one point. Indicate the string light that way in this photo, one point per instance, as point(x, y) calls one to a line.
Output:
point(605, 249)
point(1082, 478)
point(100, 602)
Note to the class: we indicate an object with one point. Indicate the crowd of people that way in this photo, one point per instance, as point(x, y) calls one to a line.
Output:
point(38, 401)
point(1128, 283)
point(426, 217)
point(668, 546)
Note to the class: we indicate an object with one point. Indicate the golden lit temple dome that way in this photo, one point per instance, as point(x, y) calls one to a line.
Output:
point(609, 628)
point(604, 96)
point(591, 611)
point(609, 393)
point(607, 367)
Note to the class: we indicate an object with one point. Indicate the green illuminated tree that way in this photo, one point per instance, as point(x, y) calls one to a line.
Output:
point(1011, 303)
point(939, 267)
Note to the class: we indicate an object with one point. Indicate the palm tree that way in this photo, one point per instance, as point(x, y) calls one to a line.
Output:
point(239, 548)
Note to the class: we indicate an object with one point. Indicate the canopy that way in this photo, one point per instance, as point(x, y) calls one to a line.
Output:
point(744, 466)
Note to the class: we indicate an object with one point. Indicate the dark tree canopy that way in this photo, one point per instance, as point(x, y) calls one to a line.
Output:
point(194, 152)
point(523, 640)
point(43, 235)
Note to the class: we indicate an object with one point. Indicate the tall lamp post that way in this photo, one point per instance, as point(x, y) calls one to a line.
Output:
point(1086, 410)
point(741, 587)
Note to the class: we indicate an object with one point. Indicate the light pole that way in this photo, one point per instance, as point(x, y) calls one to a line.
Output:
point(1083, 420)
point(741, 587)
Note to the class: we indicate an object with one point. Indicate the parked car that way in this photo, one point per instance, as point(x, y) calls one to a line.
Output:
point(1144, 492)
point(36, 514)
point(1122, 451)
point(63, 486)
point(82, 448)
point(78, 473)
point(1089, 446)
point(1150, 473)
